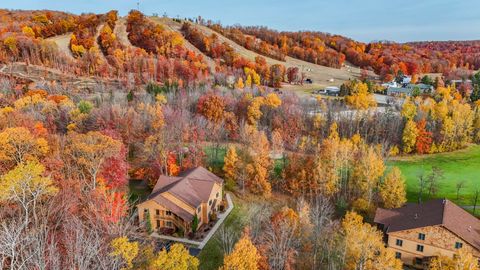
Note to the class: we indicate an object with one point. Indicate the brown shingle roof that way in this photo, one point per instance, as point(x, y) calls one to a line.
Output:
point(192, 187)
point(432, 213)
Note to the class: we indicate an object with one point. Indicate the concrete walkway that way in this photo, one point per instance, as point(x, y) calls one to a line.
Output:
point(201, 245)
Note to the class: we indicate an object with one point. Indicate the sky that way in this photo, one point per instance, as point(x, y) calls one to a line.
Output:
point(366, 20)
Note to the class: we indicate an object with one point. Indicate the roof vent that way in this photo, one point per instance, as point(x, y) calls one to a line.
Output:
point(469, 228)
point(416, 216)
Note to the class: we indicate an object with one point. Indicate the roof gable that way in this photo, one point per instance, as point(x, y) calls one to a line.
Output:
point(191, 187)
point(432, 213)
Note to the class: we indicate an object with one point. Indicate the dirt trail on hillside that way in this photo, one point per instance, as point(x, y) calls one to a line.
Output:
point(63, 42)
point(120, 32)
point(97, 34)
point(175, 26)
point(41, 75)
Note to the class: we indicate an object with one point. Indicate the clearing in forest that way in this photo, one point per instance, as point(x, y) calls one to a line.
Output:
point(322, 76)
point(461, 166)
point(121, 32)
point(63, 42)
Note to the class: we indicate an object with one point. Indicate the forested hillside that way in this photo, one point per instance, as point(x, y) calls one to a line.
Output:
point(95, 108)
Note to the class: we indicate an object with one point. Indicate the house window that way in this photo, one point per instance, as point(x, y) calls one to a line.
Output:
point(399, 242)
point(169, 213)
point(157, 212)
point(217, 195)
point(418, 261)
point(199, 209)
point(458, 245)
point(210, 202)
point(398, 255)
point(158, 223)
point(169, 224)
point(420, 248)
point(421, 236)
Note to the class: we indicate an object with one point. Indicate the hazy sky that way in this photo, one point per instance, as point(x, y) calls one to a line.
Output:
point(367, 20)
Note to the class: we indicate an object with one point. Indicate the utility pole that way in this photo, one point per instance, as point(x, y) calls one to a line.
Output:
point(138, 5)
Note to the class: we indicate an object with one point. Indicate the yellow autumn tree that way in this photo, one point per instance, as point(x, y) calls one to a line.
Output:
point(248, 82)
point(255, 78)
point(409, 138)
point(272, 100)
point(28, 31)
point(359, 97)
point(364, 246)
point(177, 258)
point(27, 186)
point(243, 257)
point(253, 111)
point(124, 249)
point(239, 84)
point(18, 145)
point(90, 150)
point(367, 170)
point(259, 165)
point(327, 164)
point(409, 110)
point(463, 260)
point(392, 190)
point(231, 165)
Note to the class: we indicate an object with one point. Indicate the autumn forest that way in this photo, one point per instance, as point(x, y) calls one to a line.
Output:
point(95, 108)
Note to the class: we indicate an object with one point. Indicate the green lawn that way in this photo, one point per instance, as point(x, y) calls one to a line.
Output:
point(138, 191)
point(462, 165)
point(211, 256)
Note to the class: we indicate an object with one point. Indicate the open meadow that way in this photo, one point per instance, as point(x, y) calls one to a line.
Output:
point(459, 166)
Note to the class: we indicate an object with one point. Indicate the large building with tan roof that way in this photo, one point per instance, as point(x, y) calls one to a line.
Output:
point(175, 201)
point(419, 232)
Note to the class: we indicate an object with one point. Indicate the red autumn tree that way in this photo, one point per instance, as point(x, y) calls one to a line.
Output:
point(424, 138)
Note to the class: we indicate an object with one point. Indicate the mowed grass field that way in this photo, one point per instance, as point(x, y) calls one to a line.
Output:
point(462, 165)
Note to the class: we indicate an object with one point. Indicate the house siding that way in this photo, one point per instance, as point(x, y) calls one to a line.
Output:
point(438, 241)
point(152, 206)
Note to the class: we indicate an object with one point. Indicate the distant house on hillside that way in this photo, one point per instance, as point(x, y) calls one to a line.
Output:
point(410, 89)
point(419, 232)
point(176, 201)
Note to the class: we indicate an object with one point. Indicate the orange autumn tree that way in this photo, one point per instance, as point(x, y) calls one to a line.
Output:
point(212, 107)
point(424, 138)
point(172, 166)
point(109, 204)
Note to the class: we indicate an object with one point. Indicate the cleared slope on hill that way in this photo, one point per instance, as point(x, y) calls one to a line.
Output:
point(321, 75)
point(63, 42)
point(175, 26)
point(120, 32)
